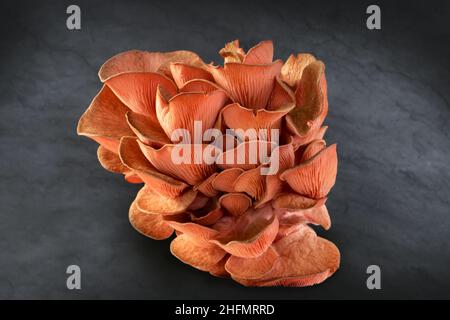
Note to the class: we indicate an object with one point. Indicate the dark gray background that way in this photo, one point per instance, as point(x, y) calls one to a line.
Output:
point(389, 114)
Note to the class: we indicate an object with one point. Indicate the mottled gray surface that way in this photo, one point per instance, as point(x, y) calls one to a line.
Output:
point(389, 114)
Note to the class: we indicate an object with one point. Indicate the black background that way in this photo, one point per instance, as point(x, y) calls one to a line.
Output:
point(389, 114)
